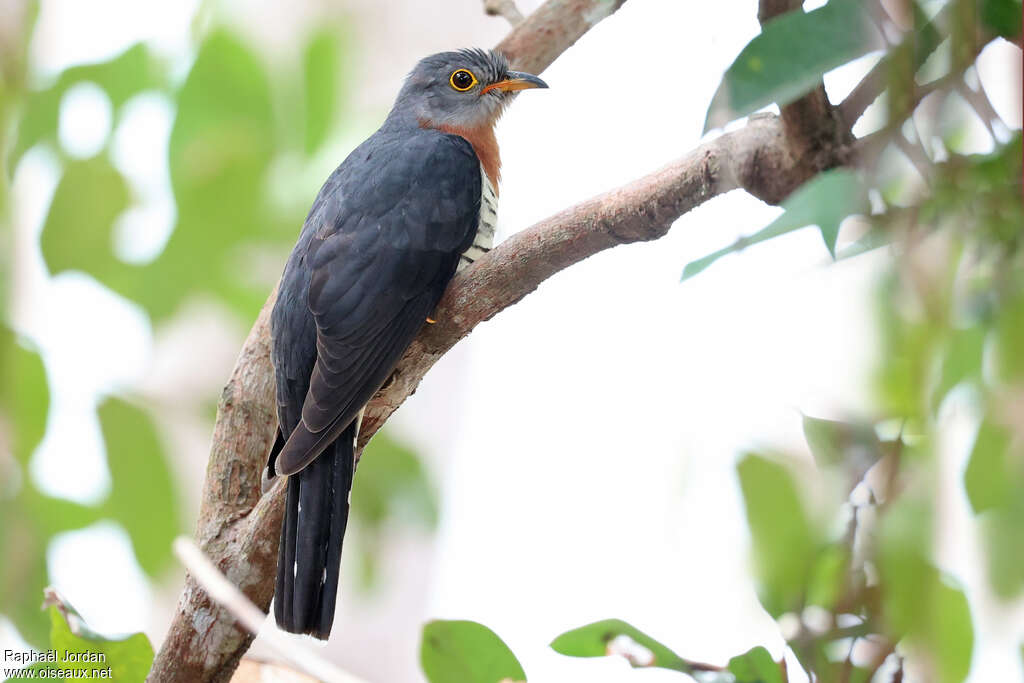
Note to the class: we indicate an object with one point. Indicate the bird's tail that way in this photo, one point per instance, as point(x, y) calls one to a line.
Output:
point(309, 560)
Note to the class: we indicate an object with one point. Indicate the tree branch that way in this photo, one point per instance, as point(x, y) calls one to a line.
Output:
point(237, 528)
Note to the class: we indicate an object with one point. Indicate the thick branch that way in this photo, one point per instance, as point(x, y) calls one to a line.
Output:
point(237, 528)
point(552, 29)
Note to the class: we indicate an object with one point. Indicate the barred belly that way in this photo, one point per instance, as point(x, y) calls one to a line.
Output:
point(484, 238)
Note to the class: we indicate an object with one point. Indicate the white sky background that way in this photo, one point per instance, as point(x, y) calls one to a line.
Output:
point(585, 439)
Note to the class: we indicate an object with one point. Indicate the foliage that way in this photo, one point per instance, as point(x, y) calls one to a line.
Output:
point(825, 201)
point(391, 487)
point(789, 57)
point(78, 649)
point(466, 652)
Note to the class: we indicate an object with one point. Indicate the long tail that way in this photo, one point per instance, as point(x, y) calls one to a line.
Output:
point(309, 560)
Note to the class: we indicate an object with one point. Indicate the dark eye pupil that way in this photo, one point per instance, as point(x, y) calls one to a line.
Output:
point(463, 79)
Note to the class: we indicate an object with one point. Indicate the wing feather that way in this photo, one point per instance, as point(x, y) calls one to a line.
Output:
point(377, 251)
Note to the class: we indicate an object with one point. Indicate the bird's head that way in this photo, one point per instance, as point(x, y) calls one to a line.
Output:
point(466, 90)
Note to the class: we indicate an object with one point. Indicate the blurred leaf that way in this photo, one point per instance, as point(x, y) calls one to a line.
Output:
point(785, 542)
point(987, 477)
point(77, 234)
point(128, 74)
point(1003, 17)
point(594, 640)
point(52, 515)
point(129, 659)
point(24, 395)
point(789, 57)
point(906, 354)
point(1002, 531)
point(825, 201)
point(321, 68)
point(143, 498)
point(1010, 340)
point(830, 440)
point(902, 558)
point(466, 652)
point(391, 482)
point(756, 666)
point(221, 146)
point(918, 603)
point(828, 577)
point(951, 636)
point(961, 361)
point(23, 575)
point(24, 404)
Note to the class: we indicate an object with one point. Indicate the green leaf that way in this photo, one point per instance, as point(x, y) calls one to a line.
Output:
point(127, 74)
point(789, 58)
point(392, 483)
point(951, 636)
point(961, 361)
point(755, 666)
point(321, 67)
point(829, 440)
point(593, 640)
point(391, 486)
point(466, 652)
point(828, 577)
point(785, 542)
point(1002, 530)
point(143, 496)
point(129, 658)
point(988, 476)
point(825, 201)
point(1003, 17)
point(221, 146)
point(903, 549)
point(1010, 339)
point(918, 603)
point(23, 576)
point(24, 395)
point(77, 234)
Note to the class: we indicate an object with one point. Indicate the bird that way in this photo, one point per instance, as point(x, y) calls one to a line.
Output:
point(394, 222)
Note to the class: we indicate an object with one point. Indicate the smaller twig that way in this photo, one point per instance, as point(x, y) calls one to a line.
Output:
point(897, 676)
point(879, 660)
point(916, 157)
point(252, 617)
point(504, 8)
point(979, 101)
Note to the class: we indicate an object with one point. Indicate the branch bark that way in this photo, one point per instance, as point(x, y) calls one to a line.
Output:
point(238, 529)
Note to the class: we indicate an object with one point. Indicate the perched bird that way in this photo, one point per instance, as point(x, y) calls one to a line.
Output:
point(385, 235)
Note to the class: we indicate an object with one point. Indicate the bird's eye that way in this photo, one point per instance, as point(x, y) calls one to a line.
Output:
point(462, 80)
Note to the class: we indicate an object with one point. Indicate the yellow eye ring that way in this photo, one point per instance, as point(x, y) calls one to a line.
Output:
point(462, 80)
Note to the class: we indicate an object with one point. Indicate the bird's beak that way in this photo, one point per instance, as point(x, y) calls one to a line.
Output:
point(517, 80)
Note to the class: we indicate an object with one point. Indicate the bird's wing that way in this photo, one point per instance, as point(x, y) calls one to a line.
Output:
point(385, 246)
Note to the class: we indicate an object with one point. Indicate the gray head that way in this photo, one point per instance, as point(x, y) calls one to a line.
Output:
point(465, 90)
